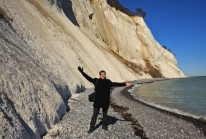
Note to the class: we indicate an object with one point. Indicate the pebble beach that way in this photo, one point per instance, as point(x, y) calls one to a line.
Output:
point(155, 123)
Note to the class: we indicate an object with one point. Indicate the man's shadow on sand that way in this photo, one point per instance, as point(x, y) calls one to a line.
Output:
point(110, 121)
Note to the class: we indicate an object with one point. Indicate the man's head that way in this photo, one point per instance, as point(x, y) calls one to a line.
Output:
point(102, 74)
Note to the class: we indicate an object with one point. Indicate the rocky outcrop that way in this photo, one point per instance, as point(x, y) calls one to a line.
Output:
point(43, 42)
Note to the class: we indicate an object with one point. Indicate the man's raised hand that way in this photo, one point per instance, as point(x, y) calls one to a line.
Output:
point(80, 69)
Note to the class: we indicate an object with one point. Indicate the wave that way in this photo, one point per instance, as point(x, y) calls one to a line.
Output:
point(176, 111)
point(134, 87)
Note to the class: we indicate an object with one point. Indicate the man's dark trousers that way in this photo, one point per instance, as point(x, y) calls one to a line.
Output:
point(94, 117)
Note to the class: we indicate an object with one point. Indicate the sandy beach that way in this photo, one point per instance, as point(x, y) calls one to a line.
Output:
point(155, 123)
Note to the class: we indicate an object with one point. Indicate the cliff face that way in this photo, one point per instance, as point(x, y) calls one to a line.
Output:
point(128, 36)
point(43, 42)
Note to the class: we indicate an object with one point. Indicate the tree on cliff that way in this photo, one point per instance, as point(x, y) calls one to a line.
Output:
point(120, 7)
point(140, 12)
point(165, 47)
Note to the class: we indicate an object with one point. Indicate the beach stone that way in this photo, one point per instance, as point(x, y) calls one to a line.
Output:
point(76, 123)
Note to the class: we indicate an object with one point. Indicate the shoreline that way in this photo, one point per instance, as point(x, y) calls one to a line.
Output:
point(199, 123)
point(125, 96)
point(131, 96)
point(140, 82)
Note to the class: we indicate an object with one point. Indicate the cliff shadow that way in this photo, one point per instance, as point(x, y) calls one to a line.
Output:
point(41, 127)
point(64, 93)
point(66, 6)
point(80, 88)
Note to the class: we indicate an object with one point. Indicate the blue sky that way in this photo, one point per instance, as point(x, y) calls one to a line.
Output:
point(180, 25)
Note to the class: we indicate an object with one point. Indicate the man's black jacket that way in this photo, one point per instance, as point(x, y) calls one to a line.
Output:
point(102, 90)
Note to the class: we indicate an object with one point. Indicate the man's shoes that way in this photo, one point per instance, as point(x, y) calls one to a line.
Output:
point(105, 127)
point(91, 129)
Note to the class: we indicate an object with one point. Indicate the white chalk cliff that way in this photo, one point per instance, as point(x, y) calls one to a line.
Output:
point(42, 42)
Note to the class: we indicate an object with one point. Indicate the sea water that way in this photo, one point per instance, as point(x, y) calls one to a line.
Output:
point(185, 96)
